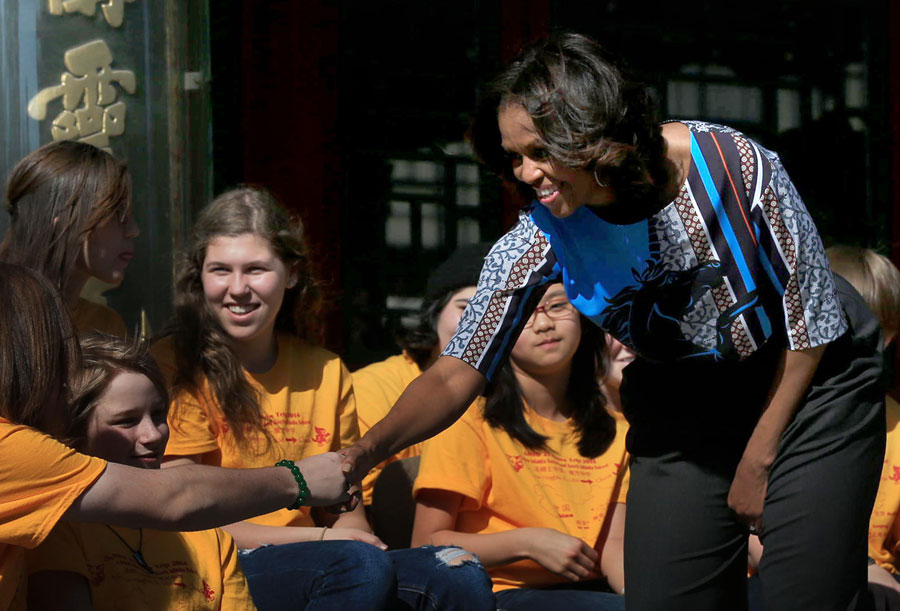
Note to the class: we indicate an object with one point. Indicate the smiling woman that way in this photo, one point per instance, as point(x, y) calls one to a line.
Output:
point(689, 244)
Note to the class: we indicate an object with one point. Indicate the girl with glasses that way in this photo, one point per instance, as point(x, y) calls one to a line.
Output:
point(533, 478)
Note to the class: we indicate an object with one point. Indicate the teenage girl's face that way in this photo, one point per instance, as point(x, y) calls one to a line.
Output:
point(128, 425)
point(244, 283)
point(549, 342)
point(108, 249)
point(450, 315)
point(560, 188)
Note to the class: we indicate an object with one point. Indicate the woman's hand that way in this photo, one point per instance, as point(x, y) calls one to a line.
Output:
point(353, 534)
point(326, 481)
point(357, 461)
point(884, 588)
point(748, 491)
point(559, 553)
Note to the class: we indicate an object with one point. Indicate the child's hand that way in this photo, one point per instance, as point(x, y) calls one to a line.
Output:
point(559, 553)
point(353, 534)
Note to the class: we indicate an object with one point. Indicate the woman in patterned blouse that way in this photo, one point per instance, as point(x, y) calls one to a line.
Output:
point(754, 400)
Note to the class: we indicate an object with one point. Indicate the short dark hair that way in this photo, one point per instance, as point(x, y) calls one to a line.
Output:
point(587, 115)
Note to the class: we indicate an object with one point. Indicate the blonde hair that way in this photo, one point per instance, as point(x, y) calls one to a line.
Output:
point(875, 278)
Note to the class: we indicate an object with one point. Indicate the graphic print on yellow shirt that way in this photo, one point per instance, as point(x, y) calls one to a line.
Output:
point(308, 408)
point(191, 571)
point(34, 494)
point(884, 527)
point(507, 486)
point(377, 387)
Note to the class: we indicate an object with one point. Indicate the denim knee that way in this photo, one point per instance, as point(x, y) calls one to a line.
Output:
point(431, 577)
point(328, 574)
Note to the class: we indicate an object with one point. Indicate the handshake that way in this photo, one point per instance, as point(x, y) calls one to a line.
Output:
point(333, 478)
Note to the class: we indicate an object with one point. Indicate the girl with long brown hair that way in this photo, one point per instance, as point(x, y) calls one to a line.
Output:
point(71, 220)
point(249, 387)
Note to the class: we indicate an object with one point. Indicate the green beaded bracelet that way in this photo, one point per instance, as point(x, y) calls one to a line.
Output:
point(301, 483)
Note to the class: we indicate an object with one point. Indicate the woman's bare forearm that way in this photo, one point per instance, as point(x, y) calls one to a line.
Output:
point(428, 406)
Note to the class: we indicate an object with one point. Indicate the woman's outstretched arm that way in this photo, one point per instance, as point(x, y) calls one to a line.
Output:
point(428, 406)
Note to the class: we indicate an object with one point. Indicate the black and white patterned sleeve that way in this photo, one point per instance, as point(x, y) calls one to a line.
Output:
point(516, 272)
point(812, 310)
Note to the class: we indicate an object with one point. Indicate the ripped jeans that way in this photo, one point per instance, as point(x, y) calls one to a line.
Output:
point(434, 578)
point(349, 575)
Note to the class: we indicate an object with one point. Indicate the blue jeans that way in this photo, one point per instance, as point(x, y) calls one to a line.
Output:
point(319, 575)
point(559, 597)
point(440, 578)
point(349, 575)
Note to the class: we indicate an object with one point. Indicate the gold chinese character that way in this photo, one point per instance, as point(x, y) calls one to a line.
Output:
point(90, 79)
point(113, 10)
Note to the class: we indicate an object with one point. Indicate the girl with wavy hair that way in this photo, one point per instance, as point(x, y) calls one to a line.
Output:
point(687, 242)
point(250, 387)
point(71, 220)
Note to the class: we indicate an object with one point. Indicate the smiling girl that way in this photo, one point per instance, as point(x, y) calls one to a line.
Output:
point(70, 219)
point(44, 482)
point(250, 388)
point(118, 414)
point(533, 479)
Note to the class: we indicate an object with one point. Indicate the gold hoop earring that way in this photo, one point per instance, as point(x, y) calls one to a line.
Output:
point(597, 180)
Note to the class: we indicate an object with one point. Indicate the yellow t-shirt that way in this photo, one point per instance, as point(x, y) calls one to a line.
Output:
point(308, 408)
point(41, 479)
point(195, 570)
point(377, 387)
point(884, 527)
point(90, 316)
point(506, 486)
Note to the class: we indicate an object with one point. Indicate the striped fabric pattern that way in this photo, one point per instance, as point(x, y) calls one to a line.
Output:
point(737, 247)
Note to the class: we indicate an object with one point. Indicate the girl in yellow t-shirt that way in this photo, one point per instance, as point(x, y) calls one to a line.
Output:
point(44, 482)
point(249, 389)
point(533, 479)
point(118, 413)
point(71, 220)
